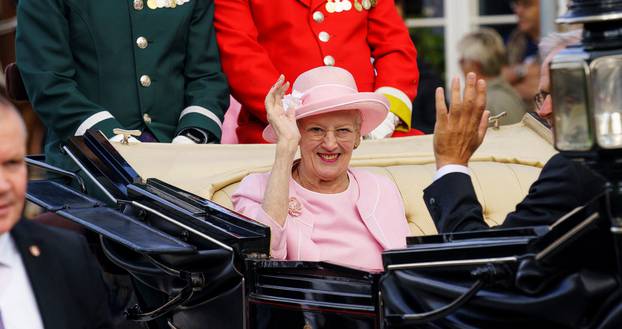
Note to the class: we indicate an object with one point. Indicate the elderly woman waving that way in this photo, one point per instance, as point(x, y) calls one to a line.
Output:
point(317, 207)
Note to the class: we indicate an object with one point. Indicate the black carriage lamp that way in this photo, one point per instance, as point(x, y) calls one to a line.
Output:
point(586, 91)
point(586, 84)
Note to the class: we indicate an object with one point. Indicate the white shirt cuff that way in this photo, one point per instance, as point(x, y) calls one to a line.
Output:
point(203, 111)
point(91, 121)
point(182, 140)
point(448, 169)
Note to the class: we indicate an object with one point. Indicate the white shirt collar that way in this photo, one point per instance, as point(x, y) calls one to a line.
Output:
point(17, 299)
point(8, 250)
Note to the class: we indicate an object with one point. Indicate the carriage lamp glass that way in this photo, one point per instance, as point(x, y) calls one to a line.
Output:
point(607, 100)
point(570, 97)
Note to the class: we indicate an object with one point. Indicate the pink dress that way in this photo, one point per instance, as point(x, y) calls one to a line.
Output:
point(350, 228)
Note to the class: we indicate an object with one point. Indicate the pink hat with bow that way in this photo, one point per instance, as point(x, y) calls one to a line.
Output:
point(326, 89)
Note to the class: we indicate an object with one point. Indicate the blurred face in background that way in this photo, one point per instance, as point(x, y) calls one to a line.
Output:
point(13, 174)
point(528, 12)
point(467, 66)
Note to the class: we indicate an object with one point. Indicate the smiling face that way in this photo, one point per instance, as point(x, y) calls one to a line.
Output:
point(12, 168)
point(326, 145)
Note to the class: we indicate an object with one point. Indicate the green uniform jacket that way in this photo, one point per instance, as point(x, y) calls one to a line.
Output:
point(108, 64)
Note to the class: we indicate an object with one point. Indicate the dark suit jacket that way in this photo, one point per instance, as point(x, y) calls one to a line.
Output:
point(65, 277)
point(562, 186)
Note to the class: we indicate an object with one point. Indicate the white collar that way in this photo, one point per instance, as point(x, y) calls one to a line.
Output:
point(8, 250)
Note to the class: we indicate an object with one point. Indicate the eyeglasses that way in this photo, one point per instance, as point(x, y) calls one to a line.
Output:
point(318, 133)
point(539, 99)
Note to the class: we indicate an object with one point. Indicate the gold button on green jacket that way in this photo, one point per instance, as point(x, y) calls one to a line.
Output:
point(108, 64)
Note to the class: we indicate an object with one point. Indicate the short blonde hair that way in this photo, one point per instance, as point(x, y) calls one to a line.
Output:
point(486, 47)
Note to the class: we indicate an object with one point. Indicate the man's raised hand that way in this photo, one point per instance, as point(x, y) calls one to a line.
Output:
point(461, 130)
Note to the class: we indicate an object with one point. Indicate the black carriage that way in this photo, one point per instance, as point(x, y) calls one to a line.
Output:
point(196, 264)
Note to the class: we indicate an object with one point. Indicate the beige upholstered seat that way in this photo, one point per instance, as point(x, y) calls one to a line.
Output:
point(502, 170)
point(499, 187)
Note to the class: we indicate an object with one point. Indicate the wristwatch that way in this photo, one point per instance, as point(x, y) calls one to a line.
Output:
point(198, 135)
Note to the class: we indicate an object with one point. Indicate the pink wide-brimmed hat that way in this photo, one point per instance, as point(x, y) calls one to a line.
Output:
point(327, 89)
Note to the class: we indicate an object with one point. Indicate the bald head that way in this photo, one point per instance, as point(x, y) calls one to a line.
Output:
point(9, 115)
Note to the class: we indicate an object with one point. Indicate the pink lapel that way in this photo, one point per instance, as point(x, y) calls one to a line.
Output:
point(369, 205)
point(305, 220)
point(305, 248)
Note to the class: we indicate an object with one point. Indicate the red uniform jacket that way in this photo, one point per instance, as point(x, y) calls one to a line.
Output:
point(260, 39)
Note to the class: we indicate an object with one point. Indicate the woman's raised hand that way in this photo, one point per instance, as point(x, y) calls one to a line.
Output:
point(283, 122)
point(288, 136)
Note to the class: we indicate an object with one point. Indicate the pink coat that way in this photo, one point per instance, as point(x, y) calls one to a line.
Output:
point(379, 205)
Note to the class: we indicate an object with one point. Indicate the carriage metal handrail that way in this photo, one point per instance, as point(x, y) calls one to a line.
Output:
point(38, 161)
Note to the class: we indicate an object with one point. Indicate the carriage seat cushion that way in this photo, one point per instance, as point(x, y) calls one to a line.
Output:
point(502, 169)
point(499, 187)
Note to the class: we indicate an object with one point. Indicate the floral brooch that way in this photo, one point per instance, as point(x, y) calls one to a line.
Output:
point(294, 208)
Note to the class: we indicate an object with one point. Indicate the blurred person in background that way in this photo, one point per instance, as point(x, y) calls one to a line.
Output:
point(523, 68)
point(483, 53)
point(48, 277)
point(259, 40)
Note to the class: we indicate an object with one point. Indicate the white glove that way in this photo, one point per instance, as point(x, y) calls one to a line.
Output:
point(385, 129)
point(182, 140)
point(119, 138)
